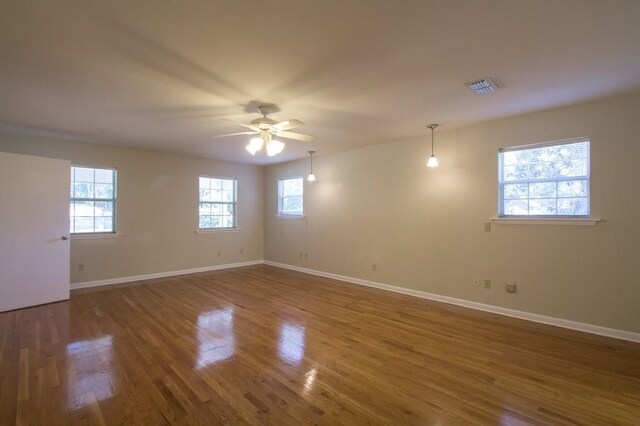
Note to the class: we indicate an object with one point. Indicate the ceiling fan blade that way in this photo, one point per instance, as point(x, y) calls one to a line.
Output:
point(296, 136)
point(238, 123)
point(288, 124)
point(235, 134)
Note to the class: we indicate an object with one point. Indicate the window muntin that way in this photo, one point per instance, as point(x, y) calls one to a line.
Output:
point(290, 197)
point(545, 180)
point(93, 200)
point(218, 203)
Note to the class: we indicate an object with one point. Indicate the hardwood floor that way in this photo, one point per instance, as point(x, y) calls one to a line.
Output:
point(262, 345)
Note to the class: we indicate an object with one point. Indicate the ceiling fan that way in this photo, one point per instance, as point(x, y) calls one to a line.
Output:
point(265, 128)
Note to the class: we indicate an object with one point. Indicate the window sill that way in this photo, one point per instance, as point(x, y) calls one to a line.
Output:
point(92, 236)
point(216, 230)
point(291, 216)
point(587, 221)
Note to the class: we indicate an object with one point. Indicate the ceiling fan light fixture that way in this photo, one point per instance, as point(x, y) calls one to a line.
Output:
point(274, 147)
point(255, 145)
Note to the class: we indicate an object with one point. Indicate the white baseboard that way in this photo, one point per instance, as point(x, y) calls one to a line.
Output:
point(121, 280)
point(573, 325)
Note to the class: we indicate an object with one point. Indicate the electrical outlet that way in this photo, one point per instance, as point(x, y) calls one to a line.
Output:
point(241, 251)
point(219, 253)
point(80, 266)
point(487, 284)
point(511, 287)
point(306, 256)
point(487, 227)
point(476, 282)
point(374, 267)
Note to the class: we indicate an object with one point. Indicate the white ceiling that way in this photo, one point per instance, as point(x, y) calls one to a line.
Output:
point(162, 75)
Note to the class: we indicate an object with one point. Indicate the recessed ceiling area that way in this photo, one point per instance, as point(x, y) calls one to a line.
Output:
point(169, 76)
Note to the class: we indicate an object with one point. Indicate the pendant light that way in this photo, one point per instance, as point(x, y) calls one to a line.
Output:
point(311, 177)
point(433, 161)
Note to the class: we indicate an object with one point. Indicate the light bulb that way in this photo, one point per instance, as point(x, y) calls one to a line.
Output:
point(433, 161)
point(312, 177)
point(274, 147)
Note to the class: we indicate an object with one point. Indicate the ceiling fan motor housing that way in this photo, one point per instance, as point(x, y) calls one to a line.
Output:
point(263, 123)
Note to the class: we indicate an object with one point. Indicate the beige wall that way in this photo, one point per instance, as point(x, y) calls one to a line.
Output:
point(157, 211)
point(424, 228)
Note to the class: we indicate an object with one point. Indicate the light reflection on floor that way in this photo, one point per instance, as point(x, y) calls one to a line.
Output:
point(292, 342)
point(91, 371)
point(310, 379)
point(216, 340)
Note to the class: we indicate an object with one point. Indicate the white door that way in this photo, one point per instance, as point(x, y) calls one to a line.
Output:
point(34, 218)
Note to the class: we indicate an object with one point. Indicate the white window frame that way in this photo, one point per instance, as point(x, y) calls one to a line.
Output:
point(223, 203)
point(542, 218)
point(281, 197)
point(113, 200)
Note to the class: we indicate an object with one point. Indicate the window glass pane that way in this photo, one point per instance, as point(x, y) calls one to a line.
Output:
point(545, 176)
point(216, 184)
point(205, 222)
point(103, 190)
point(292, 187)
point(204, 183)
point(87, 214)
point(573, 188)
point(83, 174)
point(227, 185)
point(217, 201)
point(103, 208)
point(516, 191)
point(83, 190)
point(83, 224)
point(573, 206)
point(542, 206)
point(542, 190)
point(216, 195)
point(216, 221)
point(290, 196)
point(104, 176)
point(292, 204)
point(205, 208)
point(516, 207)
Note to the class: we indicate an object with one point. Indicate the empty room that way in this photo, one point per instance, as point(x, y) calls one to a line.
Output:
point(283, 212)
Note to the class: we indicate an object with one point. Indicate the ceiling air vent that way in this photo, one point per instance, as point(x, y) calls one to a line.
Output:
point(482, 87)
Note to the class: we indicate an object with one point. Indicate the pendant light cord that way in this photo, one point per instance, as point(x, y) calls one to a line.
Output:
point(432, 141)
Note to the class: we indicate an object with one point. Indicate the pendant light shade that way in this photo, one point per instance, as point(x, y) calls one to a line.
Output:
point(311, 177)
point(433, 161)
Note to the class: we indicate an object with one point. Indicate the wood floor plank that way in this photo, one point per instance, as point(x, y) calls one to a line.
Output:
point(263, 345)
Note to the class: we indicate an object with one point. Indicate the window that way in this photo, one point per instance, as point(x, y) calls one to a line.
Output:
point(290, 197)
point(545, 180)
point(218, 199)
point(93, 200)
